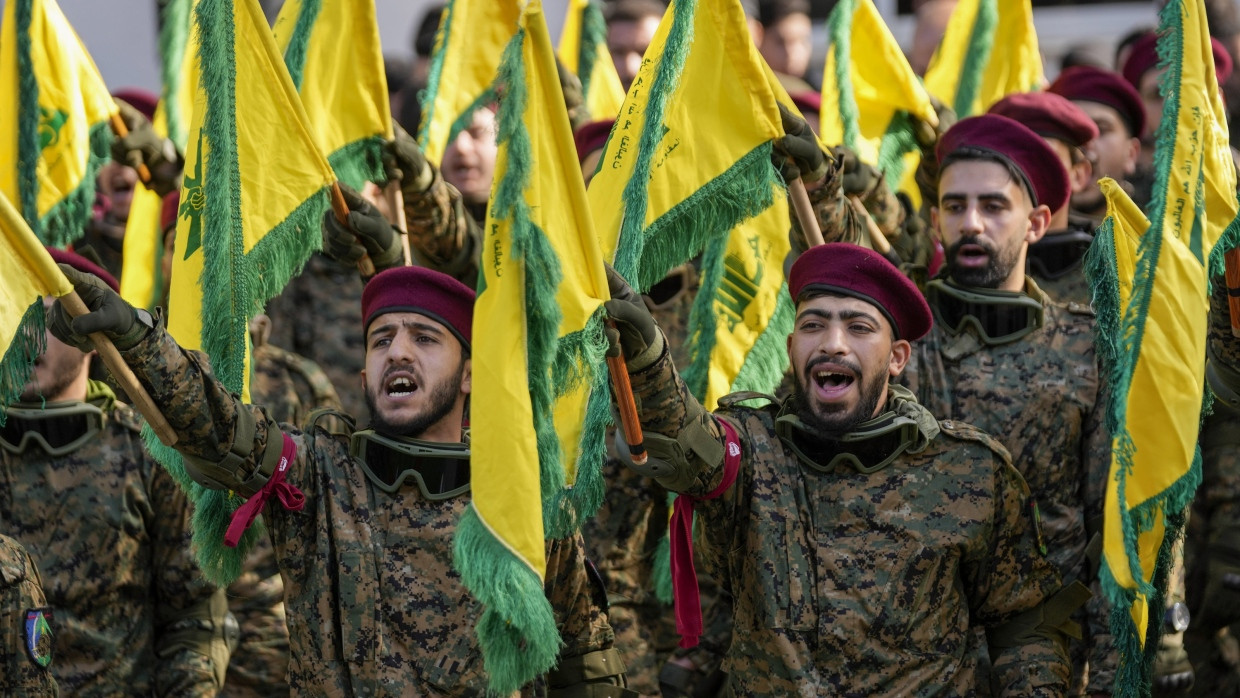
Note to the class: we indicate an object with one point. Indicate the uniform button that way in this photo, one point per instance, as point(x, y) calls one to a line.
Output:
point(947, 424)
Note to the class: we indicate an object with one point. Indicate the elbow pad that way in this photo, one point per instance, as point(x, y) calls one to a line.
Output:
point(232, 472)
point(1050, 620)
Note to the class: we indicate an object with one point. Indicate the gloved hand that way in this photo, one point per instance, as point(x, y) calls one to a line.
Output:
point(1173, 672)
point(635, 333)
point(142, 146)
point(109, 314)
point(927, 134)
point(1220, 602)
point(798, 154)
point(404, 162)
point(365, 232)
point(858, 178)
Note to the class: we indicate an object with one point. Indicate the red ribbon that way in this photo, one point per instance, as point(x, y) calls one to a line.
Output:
point(686, 601)
point(289, 496)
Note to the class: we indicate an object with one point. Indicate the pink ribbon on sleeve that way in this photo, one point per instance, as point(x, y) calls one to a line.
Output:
point(289, 496)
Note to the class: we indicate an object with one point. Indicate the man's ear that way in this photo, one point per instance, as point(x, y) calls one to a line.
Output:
point(363, 377)
point(1039, 223)
point(467, 377)
point(1081, 175)
point(1134, 152)
point(934, 223)
point(901, 351)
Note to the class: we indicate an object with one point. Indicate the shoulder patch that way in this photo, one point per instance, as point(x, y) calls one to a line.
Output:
point(38, 636)
point(967, 432)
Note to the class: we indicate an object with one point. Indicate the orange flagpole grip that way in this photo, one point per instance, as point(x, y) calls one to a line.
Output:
point(1232, 277)
point(121, 130)
point(629, 421)
point(341, 209)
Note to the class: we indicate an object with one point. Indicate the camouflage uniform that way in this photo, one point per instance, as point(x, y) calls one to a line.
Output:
point(858, 584)
point(289, 386)
point(1059, 268)
point(1043, 398)
point(21, 591)
point(110, 531)
point(1216, 510)
point(375, 606)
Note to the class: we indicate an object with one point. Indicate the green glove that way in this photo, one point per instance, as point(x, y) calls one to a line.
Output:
point(858, 178)
point(404, 162)
point(109, 314)
point(364, 232)
point(142, 146)
point(797, 153)
point(1220, 602)
point(1173, 672)
point(635, 333)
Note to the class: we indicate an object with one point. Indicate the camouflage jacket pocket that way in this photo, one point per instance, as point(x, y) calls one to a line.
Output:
point(919, 609)
point(456, 660)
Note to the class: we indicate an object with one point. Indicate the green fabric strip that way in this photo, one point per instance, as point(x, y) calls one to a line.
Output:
point(767, 361)
point(173, 39)
point(700, 336)
point(898, 141)
point(435, 73)
point(28, 150)
point(29, 342)
point(295, 52)
point(976, 57)
point(593, 43)
point(839, 28)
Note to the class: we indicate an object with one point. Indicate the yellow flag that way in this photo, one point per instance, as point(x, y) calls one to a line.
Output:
point(141, 274)
point(1155, 343)
point(869, 93)
point(536, 366)
point(253, 193)
point(29, 275)
point(989, 50)
point(471, 38)
point(57, 109)
point(690, 155)
point(333, 54)
point(583, 50)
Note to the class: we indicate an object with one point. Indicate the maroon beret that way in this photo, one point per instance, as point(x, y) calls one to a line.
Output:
point(592, 136)
point(1144, 56)
point(81, 263)
point(852, 270)
point(1049, 115)
point(139, 99)
point(420, 290)
point(1042, 169)
point(1085, 83)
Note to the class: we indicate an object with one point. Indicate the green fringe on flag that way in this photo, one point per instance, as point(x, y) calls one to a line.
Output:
point(839, 28)
point(173, 38)
point(18, 361)
point(295, 54)
point(517, 630)
point(981, 41)
point(593, 36)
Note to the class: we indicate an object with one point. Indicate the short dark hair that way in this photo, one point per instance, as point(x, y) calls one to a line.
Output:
point(633, 10)
point(771, 11)
point(971, 154)
point(424, 35)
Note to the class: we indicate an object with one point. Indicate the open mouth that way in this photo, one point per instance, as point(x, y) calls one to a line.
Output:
point(400, 386)
point(972, 256)
point(832, 380)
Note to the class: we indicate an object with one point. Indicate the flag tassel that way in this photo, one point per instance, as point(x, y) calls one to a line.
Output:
point(123, 374)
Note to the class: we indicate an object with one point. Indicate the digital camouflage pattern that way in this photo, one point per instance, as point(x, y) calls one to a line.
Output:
point(1043, 398)
point(110, 532)
point(1215, 518)
point(443, 234)
point(835, 571)
point(21, 589)
point(319, 316)
point(290, 387)
point(375, 606)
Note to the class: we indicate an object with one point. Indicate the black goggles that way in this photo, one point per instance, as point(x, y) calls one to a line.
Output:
point(999, 317)
point(58, 428)
point(441, 470)
point(1054, 256)
point(867, 448)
